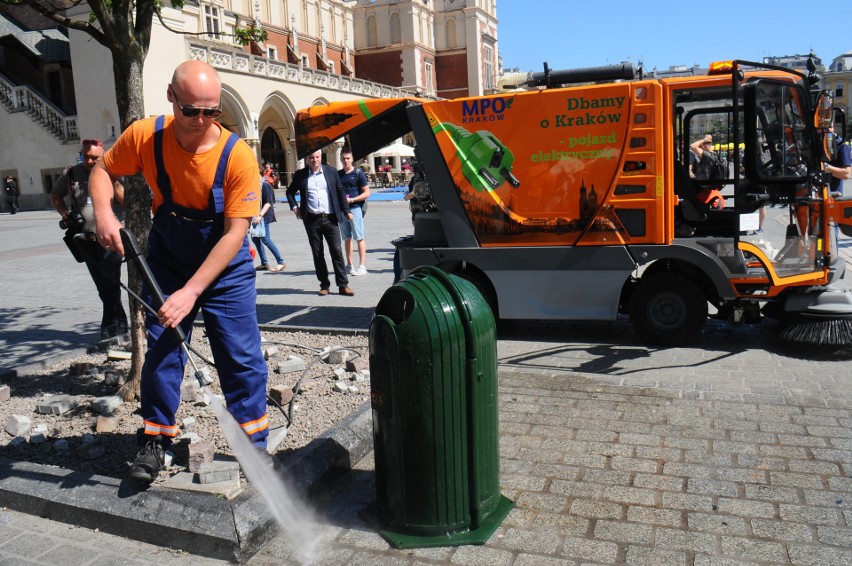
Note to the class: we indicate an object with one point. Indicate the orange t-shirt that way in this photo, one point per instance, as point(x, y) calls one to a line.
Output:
point(191, 174)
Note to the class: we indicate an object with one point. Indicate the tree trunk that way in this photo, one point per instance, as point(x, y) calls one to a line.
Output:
point(137, 219)
point(127, 68)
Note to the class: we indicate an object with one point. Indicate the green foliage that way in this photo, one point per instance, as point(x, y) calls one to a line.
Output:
point(245, 36)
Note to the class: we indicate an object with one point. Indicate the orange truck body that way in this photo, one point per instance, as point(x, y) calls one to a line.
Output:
point(541, 191)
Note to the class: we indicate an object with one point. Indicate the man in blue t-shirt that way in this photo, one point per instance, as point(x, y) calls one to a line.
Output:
point(357, 192)
point(840, 167)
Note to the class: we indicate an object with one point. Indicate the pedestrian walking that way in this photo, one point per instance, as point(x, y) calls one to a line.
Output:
point(267, 217)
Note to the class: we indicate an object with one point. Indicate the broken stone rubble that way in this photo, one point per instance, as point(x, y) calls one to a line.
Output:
point(18, 425)
point(56, 404)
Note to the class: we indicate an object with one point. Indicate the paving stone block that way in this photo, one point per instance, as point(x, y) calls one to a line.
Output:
point(106, 405)
point(56, 404)
point(118, 355)
point(199, 453)
point(593, 550)
point(270, 351)
point(781, 530)
point(18, 425)
point(276, 437)
point(186, 481)
point(675, 539)
point(5, 393)
point(623, 532)
point(188, 424)
point(91, 450)
point(79, 368)
point(716, 523)
point(113, 377)
point(338, 357)
point(358, 365)
point(94, 372)
point(38, 434)
point(339, 373)
point(281, 394)
point(188, 391)
point(214, 472)
point(191, 437)
point(107, 424)
point(747, 548)
point(746, 508)
point(808, 514)
point(290, 365)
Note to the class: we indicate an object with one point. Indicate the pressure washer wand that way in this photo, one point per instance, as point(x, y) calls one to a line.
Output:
point(133, 253)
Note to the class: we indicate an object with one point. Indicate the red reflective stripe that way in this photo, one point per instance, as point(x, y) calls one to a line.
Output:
point(257, 425)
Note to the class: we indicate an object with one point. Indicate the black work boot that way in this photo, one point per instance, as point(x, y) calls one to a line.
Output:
point(146, 466)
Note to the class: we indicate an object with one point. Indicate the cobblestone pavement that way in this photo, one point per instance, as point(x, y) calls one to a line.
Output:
point(735, 452)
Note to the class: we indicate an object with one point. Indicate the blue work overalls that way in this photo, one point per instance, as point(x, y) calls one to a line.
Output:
point(180, 240)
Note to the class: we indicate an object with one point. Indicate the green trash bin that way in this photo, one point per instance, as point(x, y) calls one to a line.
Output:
point(433, 374)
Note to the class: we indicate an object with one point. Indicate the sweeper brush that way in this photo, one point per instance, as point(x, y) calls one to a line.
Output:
point(817, 331)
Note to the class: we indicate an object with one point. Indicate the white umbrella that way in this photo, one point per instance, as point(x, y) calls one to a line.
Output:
point(395, 149)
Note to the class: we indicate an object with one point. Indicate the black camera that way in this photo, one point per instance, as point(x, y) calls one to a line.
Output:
point(75, 221)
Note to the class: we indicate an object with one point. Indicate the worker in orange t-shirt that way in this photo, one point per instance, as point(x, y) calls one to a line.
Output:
point(205, 187)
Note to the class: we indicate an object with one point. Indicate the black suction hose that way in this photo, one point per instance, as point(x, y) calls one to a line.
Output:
point(134, 254)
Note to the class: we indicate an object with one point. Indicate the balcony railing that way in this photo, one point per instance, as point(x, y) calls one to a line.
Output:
point(236, 60)
point(42, 111)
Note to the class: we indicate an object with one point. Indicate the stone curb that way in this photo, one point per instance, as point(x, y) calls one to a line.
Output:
point(199, 523)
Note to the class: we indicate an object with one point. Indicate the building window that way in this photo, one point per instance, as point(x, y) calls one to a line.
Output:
point(838, 89)
point(305, 61)
point(330, 65)
point(212, 21)
point(395, 30)
point(489, 67)
point(372, 35)
point(272, 53)
point(430, 86)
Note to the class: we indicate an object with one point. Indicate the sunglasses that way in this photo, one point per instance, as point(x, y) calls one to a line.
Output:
point(193, 111)
point(92, 142)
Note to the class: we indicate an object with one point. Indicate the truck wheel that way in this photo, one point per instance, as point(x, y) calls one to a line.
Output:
point(668, 309)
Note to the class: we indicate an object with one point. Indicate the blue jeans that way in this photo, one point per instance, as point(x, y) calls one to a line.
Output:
point(267, 241)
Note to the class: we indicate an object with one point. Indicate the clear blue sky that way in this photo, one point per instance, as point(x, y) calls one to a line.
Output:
point(662, 33)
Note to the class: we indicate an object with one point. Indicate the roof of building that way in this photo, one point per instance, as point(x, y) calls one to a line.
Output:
point(50, 45)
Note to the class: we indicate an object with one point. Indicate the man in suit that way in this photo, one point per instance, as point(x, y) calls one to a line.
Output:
point(322, 204)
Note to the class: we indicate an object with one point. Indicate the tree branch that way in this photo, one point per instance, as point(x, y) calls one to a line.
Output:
point(53, 13)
